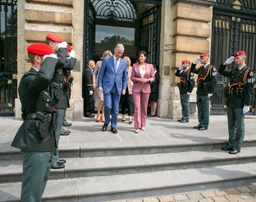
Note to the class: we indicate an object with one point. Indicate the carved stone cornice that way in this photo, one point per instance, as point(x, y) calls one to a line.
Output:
point(201, 2)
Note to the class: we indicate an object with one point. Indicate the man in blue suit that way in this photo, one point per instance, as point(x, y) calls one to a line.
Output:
point(112, 81)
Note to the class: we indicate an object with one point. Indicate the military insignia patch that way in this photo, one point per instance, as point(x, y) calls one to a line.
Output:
point(214, 69)
point(251, 73)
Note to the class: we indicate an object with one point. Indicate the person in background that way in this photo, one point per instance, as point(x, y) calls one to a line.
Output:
point(98, 96)
point(154, 92)
point(207, 80)
point(88, 82)
point(112, 81)
point(186, 85)
point(142, 76)
point(239, 97)
point(36, 138)
point(126, 99)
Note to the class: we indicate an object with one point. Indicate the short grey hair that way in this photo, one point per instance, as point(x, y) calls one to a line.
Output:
point(119, 46)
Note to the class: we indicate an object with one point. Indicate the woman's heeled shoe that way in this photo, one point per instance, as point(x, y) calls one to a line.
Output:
point(103, 121)
point(123, 119)
point(130, 121)
point(98, 120)
point(136, 130)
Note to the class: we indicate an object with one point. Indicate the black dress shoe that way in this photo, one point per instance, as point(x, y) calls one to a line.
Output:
point(183, 121)
point(62, 161)
point(179, 120)
point(104, 127)
point(202, 128)
point(57, 165)
point(196, 127)
point(113, 130)
point(235, 151)
point(65, 132)
point(226, 148)
point(65, 123)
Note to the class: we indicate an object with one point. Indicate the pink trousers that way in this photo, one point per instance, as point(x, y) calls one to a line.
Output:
point(140, 108)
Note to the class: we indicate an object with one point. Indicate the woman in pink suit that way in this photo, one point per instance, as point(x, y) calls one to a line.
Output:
point(142, 75)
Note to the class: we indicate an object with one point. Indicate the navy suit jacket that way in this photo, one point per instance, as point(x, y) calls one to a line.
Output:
point(108, 77)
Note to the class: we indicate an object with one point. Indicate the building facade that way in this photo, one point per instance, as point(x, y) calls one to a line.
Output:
point(168, 30)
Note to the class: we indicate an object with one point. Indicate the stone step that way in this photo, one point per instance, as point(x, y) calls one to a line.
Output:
point(127, 148)
point(118, 187)
point(11, 171)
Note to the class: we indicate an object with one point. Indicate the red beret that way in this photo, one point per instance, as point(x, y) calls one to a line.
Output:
point(54, 37)
point(239, 53)
point(39, 49)
point(185, 61)
point(69, 48)
point(203, 55)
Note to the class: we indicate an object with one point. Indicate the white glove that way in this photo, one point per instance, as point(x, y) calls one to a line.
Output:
point(196, 61)
point(90, 92)
point(51, 56)
point(209, 94)
point(230, 60)
point(72, 54)
point(188, 93)
point(246, 109)
point(180, 68)
point(62, 45)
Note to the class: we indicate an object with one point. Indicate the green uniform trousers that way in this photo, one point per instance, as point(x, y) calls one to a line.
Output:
point(184, 99)
point(235, 127)
point(55, 156)
point(36, 170)
point(203, 103)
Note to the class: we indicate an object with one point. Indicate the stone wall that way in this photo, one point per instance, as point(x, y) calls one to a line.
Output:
point(36, 18)
point(185, 36)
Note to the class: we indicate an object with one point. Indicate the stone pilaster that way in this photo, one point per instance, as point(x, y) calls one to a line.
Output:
point(191, 36)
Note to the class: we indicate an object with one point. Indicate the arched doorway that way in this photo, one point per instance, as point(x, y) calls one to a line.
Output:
point(233, 29)
point(136, 24)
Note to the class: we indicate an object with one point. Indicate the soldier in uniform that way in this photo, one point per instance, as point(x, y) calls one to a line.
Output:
point(67, 68)
point(239, 96)
point(186, 85)
point(88, 82)
point(206, 82)
point(59, 96)
point(35, 138)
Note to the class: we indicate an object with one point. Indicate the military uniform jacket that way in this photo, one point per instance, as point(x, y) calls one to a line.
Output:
point(244, 76)
point(187, 81)
point(207, 79)
point(34, 96)
point(69, 66)
point(88, 79)
point(155, 84)
point(61, 101)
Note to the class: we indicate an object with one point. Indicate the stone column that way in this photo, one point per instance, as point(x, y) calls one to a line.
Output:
point(190, 36)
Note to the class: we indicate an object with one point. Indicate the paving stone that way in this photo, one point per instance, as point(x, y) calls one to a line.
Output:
point(232, 191)
point(206, 200)
point(250, 200)
point(208, 193)
point(244, 189)
point(253, 193)
point(167, 198)
point(150, 200)
point(252, 187)
point(220, 192)
point(219, 199)
point(194, 196)
point(135, 200)
point(245, 195)
point(180, 197)
point(235, 198)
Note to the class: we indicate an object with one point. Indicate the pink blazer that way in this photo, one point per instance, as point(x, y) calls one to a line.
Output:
point(139, 86)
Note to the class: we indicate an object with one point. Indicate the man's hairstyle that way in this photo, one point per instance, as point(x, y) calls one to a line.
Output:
point(119, 47)
point(31, 58)
point(48, 41)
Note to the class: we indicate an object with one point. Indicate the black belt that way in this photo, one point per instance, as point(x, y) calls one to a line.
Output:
point(29, 116)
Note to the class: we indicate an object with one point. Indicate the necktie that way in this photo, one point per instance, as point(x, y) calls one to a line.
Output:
point(116, 60)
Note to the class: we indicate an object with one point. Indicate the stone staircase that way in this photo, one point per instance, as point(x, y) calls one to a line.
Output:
point(121, 170)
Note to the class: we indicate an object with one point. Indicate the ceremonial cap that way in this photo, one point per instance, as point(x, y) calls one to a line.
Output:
point(239, 53)
point(185, 61)
point(39, 49)
point(54, 37)
point(69, 48)
point(203, 55)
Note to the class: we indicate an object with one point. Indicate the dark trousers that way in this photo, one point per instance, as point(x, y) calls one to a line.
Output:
point(203, 104)
point(184, 99)
point(88, 104)
point(126, 101)
point(235, 127)
point(36, 170)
